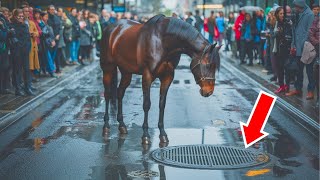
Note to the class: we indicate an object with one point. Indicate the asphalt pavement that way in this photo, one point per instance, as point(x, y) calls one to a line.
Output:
point(62, 137)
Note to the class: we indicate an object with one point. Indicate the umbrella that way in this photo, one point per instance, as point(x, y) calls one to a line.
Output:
point(250, 8)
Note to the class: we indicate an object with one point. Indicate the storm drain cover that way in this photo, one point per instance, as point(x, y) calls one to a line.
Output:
point(209, 157)
point(143, 174)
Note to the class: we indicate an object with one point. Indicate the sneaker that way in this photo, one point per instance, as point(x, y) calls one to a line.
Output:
point(310, 95)
point(294, 93)
point(264, 71)
point(283, 88)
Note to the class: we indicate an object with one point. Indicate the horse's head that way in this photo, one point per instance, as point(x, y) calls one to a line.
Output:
point(203, 68)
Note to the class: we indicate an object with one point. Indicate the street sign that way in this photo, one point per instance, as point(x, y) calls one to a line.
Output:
point(119, 9)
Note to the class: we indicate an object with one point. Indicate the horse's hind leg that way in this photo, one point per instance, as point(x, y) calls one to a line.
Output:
point(147, 79)
point(166, 80)
point(107, 79)
point(124, 83)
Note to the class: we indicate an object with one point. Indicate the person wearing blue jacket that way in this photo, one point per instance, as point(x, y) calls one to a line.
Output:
point(221, 27)
point(247, 37)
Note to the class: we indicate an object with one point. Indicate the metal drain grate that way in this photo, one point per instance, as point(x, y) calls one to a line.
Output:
point(209, 157)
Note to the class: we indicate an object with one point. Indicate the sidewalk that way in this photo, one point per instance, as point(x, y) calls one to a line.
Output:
point(13, 107)
point(308, 107)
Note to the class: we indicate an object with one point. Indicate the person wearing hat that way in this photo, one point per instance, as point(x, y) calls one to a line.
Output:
point(300, 36)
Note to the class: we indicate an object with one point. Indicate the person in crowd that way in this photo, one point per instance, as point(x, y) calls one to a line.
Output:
point(96, 34)
point(41, 51)
point(262, 18)
point(55, 23)
point(99, 35)
point(20, 52)
point(256, 38)
point(5, 60)
point(300, 35)
point(48, 43)
point(75, 43)
point(104, 19)
point(85, 41)
point(237, 29)
point(271, 38)
point(175, 15)
point(67, 35)
point(4, 56)
point(60, 57)
point(199, 21)
point(247, 35)
point(314, 34)
point(281, 49)
point(34, 34)
point(229, 33)
point(221, 26)
point(113, 18)
point(211, 26)
point(190, 19)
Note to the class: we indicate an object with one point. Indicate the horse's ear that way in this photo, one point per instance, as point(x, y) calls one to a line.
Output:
point(212, 47)
point(219, 47)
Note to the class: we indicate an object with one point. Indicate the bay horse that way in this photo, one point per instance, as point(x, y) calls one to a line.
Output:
point(153, 50)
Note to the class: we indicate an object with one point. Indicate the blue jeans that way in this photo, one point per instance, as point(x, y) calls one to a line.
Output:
point(50, 63)
point(309, 68)
point(211, 38)
point(74, 50)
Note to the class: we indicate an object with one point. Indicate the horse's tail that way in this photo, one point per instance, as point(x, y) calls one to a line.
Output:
point(104, 44)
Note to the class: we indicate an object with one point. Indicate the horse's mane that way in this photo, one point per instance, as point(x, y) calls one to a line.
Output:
point(154, 19)
point(182, 29)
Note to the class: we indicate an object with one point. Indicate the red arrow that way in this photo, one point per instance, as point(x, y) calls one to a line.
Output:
point(252, 132)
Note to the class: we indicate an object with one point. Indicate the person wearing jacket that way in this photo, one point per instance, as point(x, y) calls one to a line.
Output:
point(237, 29)
point(281, 49)
point(55, 23)
point(20, 52)
point(247, 35)
point(34, 34)
point(48, 42)
point(60, 43)
point(211, 26)
point(75, 43)
point(4, 57)
point(314, 34)
point(300, 36)
point(67, 34)
point(85, 41)
point(221, 27)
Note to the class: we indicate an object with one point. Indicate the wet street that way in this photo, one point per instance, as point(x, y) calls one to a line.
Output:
point(62, 137)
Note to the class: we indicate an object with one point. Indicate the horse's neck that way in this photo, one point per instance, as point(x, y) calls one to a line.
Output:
point(192, 49)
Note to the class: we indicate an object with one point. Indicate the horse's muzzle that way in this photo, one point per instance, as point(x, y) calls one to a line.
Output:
point(205, 94)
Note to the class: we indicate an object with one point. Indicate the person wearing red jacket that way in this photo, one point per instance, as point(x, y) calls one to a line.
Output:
point(237, 28)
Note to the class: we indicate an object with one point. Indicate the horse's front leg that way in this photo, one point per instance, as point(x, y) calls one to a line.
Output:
point(166, 81)
point(107, 77)
point(147, 79)
point(124, 83)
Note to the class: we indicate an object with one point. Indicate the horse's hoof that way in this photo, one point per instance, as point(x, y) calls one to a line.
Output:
point(146, 140)
point(105, 131)
point(163, 139)
point(123, 130)
point(162, 145)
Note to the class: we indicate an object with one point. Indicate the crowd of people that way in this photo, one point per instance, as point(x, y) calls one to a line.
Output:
point(281, 39)
point(38, 43)
point(34, 42)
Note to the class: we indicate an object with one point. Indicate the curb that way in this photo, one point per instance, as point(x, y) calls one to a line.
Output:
point(15, 115)
point(302, 119)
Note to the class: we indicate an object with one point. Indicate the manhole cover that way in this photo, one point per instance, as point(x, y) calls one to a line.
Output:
point(209, 157)
point(143, 174)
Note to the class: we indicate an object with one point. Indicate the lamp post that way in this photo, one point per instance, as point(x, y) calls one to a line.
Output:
point(203, 9)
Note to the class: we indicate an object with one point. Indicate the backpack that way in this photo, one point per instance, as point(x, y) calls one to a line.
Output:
point(308, 53)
